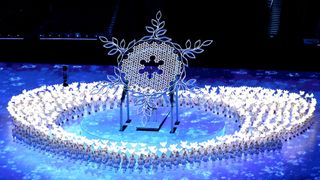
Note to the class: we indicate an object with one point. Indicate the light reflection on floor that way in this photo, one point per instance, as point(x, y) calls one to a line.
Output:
point(195, 126)
point(297, 159)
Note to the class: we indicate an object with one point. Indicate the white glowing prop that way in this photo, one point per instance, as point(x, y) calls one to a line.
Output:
point(267, 117)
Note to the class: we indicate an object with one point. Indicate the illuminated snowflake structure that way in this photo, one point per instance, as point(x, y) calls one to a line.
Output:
point(150, 68)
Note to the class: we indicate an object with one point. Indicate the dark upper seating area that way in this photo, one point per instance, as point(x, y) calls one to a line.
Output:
point(239, 28)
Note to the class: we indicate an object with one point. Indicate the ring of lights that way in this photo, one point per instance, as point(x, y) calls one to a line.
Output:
point(267, 117)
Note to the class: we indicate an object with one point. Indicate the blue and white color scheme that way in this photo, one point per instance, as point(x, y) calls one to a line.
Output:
point(153, 65)
point(244, 125)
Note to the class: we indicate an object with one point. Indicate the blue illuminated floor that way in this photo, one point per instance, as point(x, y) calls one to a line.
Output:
point(298, 159)
point(196, 126)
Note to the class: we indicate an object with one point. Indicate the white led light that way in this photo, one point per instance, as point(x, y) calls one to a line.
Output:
point(264, 117)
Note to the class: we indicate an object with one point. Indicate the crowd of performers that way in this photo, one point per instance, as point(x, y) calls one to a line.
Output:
point(266, 118)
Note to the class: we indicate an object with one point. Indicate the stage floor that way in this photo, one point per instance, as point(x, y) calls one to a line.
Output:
point(299, 158)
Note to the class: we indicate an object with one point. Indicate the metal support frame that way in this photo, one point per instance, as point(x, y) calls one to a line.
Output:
point(171, 112)
point(125, 93)
point(174, 99)
point(174, 110)
point(177, 107)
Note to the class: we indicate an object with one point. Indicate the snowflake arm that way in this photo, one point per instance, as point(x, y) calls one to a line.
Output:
point(189, 52)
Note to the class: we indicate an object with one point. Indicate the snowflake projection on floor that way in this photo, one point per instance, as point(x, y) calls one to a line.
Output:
point(266, 118)
point(152, 66)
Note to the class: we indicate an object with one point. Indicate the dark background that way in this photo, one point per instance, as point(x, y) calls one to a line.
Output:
point(239, 29)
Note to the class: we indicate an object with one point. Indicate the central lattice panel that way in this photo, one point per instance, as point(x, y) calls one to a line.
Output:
point(152, 66)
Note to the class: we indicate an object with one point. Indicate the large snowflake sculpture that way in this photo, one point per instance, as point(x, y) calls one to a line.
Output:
point(152, 65)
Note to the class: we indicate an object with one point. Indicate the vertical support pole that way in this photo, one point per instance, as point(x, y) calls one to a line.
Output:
point(65, 75)
point(127, 93)
point(171, 113)
point(123, 96)
point(177, 105)
point(121, 116)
